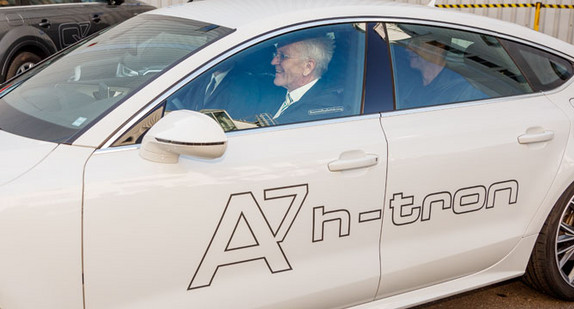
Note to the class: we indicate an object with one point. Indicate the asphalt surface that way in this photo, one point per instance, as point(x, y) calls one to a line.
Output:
point(508, 294)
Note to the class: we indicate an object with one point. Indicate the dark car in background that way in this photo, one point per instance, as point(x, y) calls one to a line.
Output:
point(31, 30)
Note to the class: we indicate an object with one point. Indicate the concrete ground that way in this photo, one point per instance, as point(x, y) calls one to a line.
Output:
point(505, 295)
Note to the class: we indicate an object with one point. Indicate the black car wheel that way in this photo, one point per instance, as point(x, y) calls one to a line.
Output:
point(21, 63)
point(551, 266)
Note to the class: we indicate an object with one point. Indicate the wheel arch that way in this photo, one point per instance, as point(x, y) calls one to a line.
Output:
point(563, 181)
point(22, 39)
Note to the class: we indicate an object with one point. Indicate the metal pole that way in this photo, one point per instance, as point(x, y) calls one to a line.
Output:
point(537, 16)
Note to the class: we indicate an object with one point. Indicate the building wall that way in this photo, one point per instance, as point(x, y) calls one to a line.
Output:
point(553, 21)
point(163, 3)
point(557, 22)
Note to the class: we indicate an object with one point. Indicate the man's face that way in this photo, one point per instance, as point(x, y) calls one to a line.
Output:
point(291, 69)
point(421, 53)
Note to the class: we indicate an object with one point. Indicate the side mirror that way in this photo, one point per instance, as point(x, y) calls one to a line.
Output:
point(183, 132)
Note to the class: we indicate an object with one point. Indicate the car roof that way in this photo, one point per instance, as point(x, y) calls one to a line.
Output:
point(234, 14)
point(272, 14)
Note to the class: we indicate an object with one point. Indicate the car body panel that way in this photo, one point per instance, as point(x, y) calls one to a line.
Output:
point(474, 170)
point(324, 219)
point(40, 232)
point(28, 152)
point(511, 266)
point(562, 98)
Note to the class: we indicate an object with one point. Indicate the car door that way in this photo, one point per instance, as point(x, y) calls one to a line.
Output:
point(101, 14)
point(65, 23)
point(290, 216)
point(469, 163)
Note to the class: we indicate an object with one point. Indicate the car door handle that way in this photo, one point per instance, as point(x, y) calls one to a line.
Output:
point(530, 138)
point(44, 23)
point(343, 164)
point(96, 18)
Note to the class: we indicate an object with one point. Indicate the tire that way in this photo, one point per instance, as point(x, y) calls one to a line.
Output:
point(22, 62)
point(551, 266)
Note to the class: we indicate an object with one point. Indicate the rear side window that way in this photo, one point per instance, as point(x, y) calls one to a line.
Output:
point(435, 65)
point(545, 71)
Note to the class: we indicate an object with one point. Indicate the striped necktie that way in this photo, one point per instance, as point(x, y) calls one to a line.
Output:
point(288, 101)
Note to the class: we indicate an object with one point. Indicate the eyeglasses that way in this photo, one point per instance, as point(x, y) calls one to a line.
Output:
point(281, 56)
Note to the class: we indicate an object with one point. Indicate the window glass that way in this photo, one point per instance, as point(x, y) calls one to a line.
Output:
point(544, 70)
point(305, 75)
point(60, 97)
point(434, 65)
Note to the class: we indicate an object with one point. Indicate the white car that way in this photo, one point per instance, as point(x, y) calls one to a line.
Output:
point(288, 154)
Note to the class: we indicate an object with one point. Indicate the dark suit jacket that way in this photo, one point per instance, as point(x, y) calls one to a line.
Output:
point(320, 102)
point(238, 94)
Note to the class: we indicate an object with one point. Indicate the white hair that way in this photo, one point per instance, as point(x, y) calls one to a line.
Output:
point(319, 49)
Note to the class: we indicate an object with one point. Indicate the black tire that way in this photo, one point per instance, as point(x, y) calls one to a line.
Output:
point(551, 266)
point(22, 62)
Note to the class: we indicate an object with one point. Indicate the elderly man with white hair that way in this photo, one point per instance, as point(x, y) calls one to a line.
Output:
point(299, 66)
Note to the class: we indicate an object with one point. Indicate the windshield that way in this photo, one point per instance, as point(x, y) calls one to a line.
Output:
point(58, 99)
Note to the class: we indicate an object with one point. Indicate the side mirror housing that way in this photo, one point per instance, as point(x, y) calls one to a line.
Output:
point(183, 132)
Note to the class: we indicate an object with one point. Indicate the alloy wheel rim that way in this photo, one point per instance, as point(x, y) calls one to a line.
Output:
point(24, 67)
point(564, 249)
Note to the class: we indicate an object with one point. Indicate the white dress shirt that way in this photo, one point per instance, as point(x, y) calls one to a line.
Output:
point(293, 96)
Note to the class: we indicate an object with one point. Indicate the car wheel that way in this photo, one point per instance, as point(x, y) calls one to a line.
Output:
point(551, 266)
point(21, 63)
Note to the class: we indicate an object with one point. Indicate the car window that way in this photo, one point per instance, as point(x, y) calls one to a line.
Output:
point(301, 76)
point(435, 65)
point(57, 99)
point(544, 70)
